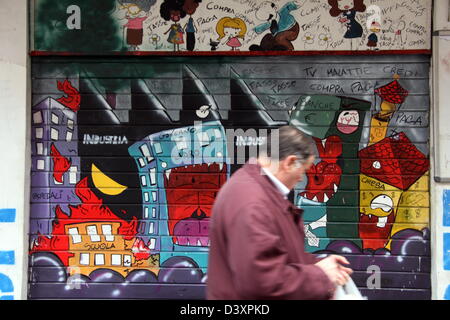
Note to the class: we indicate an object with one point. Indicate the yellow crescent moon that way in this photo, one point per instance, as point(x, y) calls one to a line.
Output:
point(105, 184)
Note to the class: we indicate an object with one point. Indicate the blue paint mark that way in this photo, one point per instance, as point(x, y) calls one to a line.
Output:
point(446, 251)
point(7, 257)
point(6, 286)
point(447, 294)
point(446, 207)
point(7, 215)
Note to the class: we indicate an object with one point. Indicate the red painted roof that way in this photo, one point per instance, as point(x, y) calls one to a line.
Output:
point(395, 161)
point(392, 92)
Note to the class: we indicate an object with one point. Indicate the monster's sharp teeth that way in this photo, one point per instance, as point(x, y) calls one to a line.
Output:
point(315, 199)
point(168, 173)
point(220, 166)
point(324, 141)
point(325, 198)
point(335, 187)
point(370, 216)
point(382, 222)
point(176, 241)
point(188, 242)
point(199, 243)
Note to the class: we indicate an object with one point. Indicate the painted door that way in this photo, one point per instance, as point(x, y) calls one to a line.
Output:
point(128, 155)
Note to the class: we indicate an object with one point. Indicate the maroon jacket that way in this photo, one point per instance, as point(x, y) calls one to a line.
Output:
point(257, 248)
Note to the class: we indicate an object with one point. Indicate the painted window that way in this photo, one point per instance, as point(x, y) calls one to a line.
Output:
point(40, 164)
point(127, 260)
point(54, 133)
point(55, 118)
point(76, 238)
point(40, 148)
point(116, 259)
point(92, 232)
point(84, 259)
point(152, 243)
point(99, 259)
point(37, 117)
point(144, 181)
point(107, 231)
point(39, 133)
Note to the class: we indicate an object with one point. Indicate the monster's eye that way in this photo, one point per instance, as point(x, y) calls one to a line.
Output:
point(105, 184)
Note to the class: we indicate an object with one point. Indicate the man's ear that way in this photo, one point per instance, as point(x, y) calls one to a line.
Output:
point(290, 162)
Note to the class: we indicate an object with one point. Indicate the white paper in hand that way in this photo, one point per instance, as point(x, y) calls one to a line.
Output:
point(349, 291)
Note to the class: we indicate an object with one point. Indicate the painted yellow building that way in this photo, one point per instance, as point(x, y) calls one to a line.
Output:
point(98, 245)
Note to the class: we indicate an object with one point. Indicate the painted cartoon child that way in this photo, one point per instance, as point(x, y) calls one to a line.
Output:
point(282, 26)
point(190, 6)
point(372, 42)
point(135, 30)
point(231, 29)
point(173, 10)
point(346, 11)
point(398, 28)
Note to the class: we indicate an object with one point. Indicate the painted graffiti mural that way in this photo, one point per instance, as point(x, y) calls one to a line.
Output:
point(128, 156)
point(231, 25)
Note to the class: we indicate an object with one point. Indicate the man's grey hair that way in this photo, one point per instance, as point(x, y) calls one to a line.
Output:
point(291, 141)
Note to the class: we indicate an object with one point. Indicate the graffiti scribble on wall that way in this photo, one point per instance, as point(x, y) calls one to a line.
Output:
point(219, 25)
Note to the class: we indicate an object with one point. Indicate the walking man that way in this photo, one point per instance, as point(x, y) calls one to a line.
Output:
point(257, 234)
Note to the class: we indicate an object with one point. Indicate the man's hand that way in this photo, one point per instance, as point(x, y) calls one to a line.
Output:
point(333, 268)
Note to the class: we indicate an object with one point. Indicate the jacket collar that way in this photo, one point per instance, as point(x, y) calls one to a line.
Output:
point(254, 169)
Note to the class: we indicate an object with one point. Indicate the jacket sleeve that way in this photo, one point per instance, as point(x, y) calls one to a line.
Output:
point(259, 263)
point(311, 259)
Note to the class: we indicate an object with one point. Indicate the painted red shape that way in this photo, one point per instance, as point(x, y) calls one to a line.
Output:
point(393, 92)
point(60, 164)
point(73, 99)
point(140, 250)
point(372, 236)
point(325, 177)
point(91, 209)
point(395, 161)
point(190, 193)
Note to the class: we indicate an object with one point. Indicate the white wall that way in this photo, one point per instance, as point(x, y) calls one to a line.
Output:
point(440, 141)
point(14, 170)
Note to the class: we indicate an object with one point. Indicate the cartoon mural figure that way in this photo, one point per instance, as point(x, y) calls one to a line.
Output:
point(136, 12)
point(231, 29)
point(372, 39)
point(172, 10)
point(393, 172)
point(335, 124)
point(389, 180)
point(398, 28)
point(373, 24)
point(181, 170)
point(282, 25)
point(154, 38)
point(190, 6)
point(346, 11)
point(392, 96)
